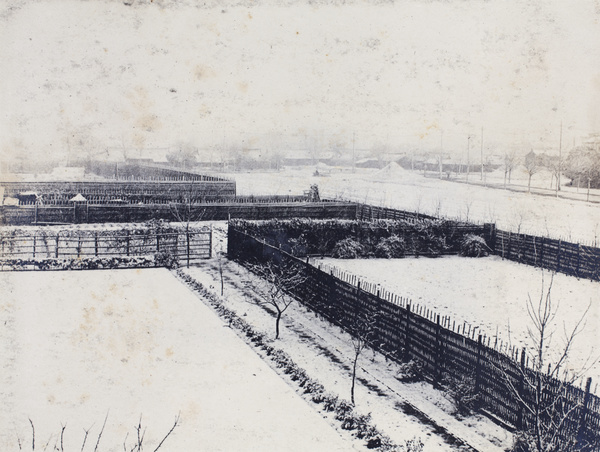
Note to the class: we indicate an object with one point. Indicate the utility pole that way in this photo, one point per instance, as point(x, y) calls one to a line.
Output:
point(353, 153)
point(441, 151)
point(482, 153)
point(559, 161)
point(468, 156)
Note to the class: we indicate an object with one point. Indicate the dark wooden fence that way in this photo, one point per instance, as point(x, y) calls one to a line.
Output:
point(574, 259)
point(108, 213)
point(448, 351)
point(557, 255)
point(187, 246)
point(368, 212)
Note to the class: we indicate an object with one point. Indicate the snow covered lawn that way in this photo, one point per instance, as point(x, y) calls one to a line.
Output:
point(488, 293)
point(75, 346)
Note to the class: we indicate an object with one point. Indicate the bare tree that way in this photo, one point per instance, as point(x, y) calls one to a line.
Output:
point(532, 166)
point(545, 386)
point(510, 160)
point(137, 446)
point(361, 325)
point(274, 286)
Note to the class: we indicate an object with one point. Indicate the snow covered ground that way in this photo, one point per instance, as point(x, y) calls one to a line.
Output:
point(76, 346)
point(491, 294)
point(396, 187)
point(325, 352)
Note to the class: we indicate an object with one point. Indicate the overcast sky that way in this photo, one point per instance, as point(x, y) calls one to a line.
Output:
point(101, 74)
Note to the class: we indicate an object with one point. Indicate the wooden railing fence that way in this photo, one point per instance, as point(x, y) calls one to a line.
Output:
point(186, 246)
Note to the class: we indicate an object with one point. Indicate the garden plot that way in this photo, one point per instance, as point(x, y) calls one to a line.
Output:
point(490, 294)
point(325, 352)
point(77, 347)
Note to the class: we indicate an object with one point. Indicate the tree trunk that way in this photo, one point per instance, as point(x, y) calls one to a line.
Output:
point(354, 377)
point(279, 313)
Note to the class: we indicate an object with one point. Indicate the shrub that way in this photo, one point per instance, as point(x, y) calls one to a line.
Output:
point(473, 246)
point(411, 371)
point(391, 247)
point(463, 392)
point(348, 248)
point(165, 259)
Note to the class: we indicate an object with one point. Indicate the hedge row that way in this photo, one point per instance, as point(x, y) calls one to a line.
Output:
point(358, 238)
point(161, 259)
point(360, 425)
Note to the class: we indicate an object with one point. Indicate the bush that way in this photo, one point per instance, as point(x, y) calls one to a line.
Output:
point(348, 248)
point(411, 371)
point(463, 392)
point(165, 259)
point(391, 247)
point(473, 246)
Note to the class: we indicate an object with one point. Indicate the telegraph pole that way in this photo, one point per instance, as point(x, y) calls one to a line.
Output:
point(353, 153)
point(559, 161)
point(482, 153)
point(468, 156)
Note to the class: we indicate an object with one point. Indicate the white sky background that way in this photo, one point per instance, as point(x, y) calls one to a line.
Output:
point(269, 75)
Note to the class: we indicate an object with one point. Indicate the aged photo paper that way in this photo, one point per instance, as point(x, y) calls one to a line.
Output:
point(137, 128)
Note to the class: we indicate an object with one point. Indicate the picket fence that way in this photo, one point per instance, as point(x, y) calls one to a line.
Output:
point(448, 351)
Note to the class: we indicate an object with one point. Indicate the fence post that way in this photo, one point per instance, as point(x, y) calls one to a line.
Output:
point(34, 237)
point(581, 433)
point(478, 366)
point(578, 259)
point(95, 244)
point(520, 420)
point(157, 242)
point(407, 334)
point(127, 242)
point(490, 236)
point(56, 250)
point(438, 353)
point(210, 241)
point(187, 236)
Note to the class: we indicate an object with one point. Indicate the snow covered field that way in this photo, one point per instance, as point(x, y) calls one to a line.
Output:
point(491, 294)
point(396, 187)
point(77, 345)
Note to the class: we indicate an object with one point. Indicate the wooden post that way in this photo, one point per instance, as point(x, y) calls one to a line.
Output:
point(407, 334)
point(578, 259)
point(157, 242)
point(95, 244)
point(34, 237)
point(210, 241)
point(56, 251)
point(520, 420)
point(478, 366)
point(187, 235)
point(127, 243)
point(581, 434)
point(438, 352)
